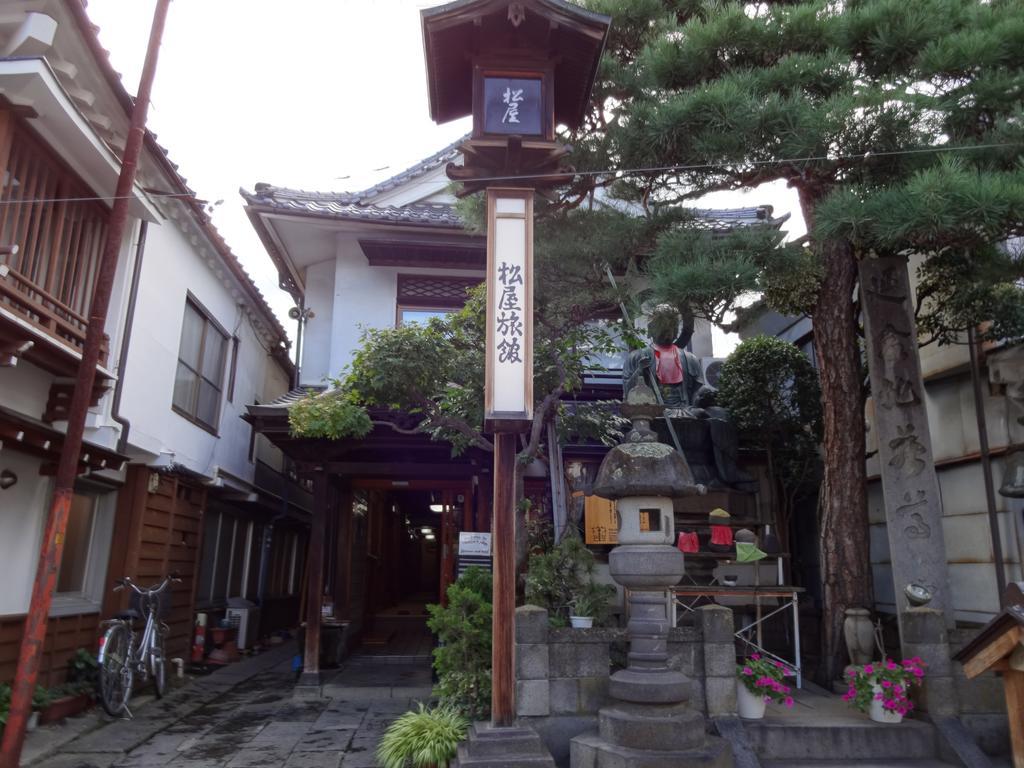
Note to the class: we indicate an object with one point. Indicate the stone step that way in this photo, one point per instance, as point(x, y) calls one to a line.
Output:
point(855, 764)
point(591, 751)
point(825, 740)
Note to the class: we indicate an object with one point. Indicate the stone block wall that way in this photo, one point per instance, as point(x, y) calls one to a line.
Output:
point(564, 672)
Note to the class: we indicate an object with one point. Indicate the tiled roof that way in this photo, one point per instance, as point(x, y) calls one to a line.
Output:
point(91, 34)
point(343, 206)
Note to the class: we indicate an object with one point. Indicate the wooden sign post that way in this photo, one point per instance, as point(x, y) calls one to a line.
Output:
point(520, 69)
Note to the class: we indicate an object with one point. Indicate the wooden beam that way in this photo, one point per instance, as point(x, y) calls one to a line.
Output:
point(315, 580)
point(1013, 688)
point(993, 652)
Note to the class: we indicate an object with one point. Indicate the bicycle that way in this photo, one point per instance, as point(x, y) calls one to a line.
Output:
point(120, 659)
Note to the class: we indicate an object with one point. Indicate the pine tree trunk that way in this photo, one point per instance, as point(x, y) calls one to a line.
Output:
point(845, 551)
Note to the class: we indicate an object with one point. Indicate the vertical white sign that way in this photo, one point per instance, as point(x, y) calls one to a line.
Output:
point(509, 395)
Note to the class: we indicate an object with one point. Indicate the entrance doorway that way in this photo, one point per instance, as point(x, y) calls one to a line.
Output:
point(411, 532)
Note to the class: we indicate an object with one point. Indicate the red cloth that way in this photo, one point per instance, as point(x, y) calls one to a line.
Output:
point(669, 364)
point(721, 534)
point(688, 542)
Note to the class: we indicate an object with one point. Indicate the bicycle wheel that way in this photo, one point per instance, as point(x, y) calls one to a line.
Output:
point(116, 670)
point(157, 662)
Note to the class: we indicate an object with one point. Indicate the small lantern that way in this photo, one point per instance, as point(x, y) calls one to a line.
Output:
point(520, 69)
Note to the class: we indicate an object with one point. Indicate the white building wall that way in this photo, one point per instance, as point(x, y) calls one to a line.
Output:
point(363, 296)
point(22, 510)
point(171, 271)
point(316, 339)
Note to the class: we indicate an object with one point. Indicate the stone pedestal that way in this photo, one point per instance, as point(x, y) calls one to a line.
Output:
point(487, 746)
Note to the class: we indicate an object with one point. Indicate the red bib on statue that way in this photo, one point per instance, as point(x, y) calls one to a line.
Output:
point(669, 364)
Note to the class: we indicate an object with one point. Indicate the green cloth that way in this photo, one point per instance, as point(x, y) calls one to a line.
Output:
point(748, 553)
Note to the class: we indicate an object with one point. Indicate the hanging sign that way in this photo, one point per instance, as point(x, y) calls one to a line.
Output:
point(508, 395)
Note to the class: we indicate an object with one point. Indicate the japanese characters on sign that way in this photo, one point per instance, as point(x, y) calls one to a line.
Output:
point(513, 105)
point(509, 394)
point(600, 521)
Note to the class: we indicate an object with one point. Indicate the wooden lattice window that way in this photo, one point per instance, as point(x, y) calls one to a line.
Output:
point(55, 221)
point(423, 296)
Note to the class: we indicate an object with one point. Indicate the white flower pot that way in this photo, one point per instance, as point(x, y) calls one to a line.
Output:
point(581, 622)
point(880, 714)
point(750, 705)
point(33, 722)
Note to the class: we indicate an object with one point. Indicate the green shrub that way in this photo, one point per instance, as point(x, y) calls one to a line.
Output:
point(561, 580)
point(426, 737)
point(83, 673)
point(463, 658)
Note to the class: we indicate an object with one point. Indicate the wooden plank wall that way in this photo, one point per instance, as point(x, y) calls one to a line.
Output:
point(155, 533)
point(64, 635)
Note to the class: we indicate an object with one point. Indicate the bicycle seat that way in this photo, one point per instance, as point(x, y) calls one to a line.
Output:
point(128, 615)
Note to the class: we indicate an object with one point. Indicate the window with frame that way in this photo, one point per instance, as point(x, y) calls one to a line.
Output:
point(199, 380)
point(86, 550)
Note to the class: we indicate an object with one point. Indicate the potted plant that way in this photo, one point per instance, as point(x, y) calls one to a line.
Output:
point(584, 608)
point(40, 700)
point(77, 693)
point(425, 738)
point(761, 680)
point(882, 688)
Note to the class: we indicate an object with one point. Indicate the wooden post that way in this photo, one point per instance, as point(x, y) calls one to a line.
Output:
point(315, 580)
point(1013, 688)
point(503, 542)
point(343, 573)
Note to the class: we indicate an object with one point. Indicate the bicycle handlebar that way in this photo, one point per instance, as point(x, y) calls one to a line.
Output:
point(127, 582)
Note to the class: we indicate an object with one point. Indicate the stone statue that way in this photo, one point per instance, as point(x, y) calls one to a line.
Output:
point(705, 431)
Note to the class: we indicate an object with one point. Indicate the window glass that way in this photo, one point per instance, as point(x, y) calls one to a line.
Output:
point(77, 541)
point(184, 387)
point(421, 316)
point(200, 373)
point(209, 399)
point(213, 357)
point(191, 337)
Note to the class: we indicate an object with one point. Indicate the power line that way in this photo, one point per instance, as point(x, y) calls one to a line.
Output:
point(865, 156)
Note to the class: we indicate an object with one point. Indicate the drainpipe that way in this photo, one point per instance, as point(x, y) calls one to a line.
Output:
point(129, 322)
point(986, 464)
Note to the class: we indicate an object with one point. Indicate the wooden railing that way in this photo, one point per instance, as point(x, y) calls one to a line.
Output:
point(35, 306)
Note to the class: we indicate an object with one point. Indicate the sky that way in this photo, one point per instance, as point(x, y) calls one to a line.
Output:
point(325, 95)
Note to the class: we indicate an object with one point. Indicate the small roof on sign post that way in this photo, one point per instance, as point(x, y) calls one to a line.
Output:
point(455, 32)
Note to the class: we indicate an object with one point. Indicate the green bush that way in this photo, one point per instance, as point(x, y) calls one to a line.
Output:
point(462, 659)
point(83, 673)
point(561, 580)
point(422, 739)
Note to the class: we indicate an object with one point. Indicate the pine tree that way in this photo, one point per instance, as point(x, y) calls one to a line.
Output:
point(898, 123)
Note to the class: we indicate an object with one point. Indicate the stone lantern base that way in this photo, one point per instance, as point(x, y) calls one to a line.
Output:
point(593, 751)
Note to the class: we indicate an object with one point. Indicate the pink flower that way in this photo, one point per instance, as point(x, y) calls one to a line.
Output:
point(890, 665)
point(886, 684)
point(755, 656)
point(869, 670)
point(748, 671)
point(788, 701)
point(778, 664)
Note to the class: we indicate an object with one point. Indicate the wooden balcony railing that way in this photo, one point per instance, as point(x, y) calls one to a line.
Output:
point(21, 296)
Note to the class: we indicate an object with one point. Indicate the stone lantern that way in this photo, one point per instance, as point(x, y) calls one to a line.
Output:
point(650, 721)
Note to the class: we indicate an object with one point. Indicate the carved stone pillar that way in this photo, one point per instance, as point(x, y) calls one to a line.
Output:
point(913, 506)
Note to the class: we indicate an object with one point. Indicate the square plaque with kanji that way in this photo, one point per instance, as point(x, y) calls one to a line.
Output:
point(513, 105)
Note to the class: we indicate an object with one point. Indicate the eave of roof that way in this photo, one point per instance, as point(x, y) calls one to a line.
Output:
point(90, 35)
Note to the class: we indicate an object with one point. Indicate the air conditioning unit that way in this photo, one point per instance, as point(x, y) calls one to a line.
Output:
point(247, 622)
point(712, 369)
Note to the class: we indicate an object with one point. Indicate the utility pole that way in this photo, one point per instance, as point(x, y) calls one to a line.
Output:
point(52, 548)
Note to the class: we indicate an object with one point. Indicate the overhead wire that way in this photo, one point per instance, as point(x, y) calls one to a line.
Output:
point(614, 172)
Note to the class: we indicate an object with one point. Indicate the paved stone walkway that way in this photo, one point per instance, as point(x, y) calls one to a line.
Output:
point(250, 715)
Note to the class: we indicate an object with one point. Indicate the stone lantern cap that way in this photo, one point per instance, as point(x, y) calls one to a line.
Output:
point(640, 465)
